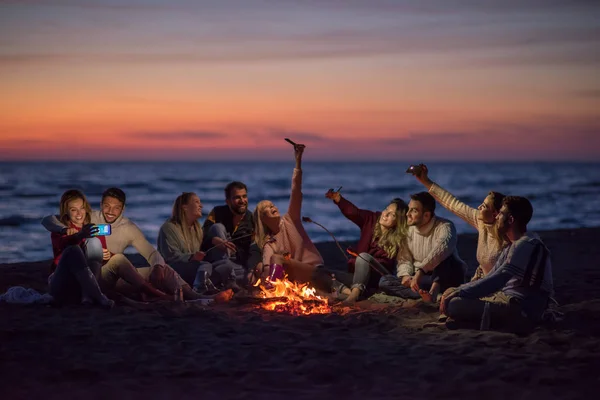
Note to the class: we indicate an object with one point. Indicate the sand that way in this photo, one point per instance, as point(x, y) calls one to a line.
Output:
point(238, 351)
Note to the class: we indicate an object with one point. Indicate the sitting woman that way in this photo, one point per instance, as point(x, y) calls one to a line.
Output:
point(96, 249)
point(77, 255)
point(482, 218)
point(283, 240)
point(179, 241)
point(382, 234)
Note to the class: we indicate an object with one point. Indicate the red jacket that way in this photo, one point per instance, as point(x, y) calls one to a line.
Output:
point(366, 221)
point(61, 241)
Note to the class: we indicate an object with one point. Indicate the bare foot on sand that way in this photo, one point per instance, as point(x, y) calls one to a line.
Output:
point(352, 296)
point(426, 296)
point(224, 296)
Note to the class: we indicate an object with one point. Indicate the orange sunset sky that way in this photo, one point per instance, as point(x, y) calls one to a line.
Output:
point(353, 80)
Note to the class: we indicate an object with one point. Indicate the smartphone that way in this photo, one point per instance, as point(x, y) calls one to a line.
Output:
point(414, 169)
point(103, 230)
point(290, 141)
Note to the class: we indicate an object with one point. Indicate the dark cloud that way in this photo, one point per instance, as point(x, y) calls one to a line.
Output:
point(176, 136)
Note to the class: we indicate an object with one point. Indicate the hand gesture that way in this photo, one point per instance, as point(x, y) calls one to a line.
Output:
point(421, 173)
point(414, 283)
point(106, 255)
point(224, 244)
point(71, 231)
point(199, 256)
point(88, 231)
point(448, 295)
point(298, 150)
point(335, 196)
point(406, 280)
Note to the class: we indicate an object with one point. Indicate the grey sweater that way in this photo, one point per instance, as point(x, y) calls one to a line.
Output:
point(172, 245)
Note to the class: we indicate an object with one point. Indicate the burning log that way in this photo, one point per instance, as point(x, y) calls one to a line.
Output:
point(282, 295)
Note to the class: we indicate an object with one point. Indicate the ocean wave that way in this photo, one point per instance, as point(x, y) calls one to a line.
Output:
point(33, 195)
point(17, 220)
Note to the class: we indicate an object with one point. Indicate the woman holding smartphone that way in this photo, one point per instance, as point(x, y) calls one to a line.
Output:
point(77, 255)
point(75, 213)
point(283, 240)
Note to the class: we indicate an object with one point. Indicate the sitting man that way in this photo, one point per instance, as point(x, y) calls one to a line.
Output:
point(430, 264)
point(515, 294)
point(229, 227)
point(125, 233)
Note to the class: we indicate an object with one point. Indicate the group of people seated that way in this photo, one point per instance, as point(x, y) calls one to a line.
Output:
point(405, 250)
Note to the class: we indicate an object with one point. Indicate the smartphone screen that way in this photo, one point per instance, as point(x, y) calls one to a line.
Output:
point(103, 230)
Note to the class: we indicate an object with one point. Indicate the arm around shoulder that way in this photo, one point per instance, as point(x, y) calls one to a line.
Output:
point(53, 224)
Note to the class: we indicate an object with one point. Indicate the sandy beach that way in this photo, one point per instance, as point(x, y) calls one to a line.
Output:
point(239, 351)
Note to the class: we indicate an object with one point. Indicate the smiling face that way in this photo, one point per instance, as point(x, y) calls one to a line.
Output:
point(193, 208)
point(77, 212)
point(238, 201)
point(389, 218)
point(503, 221)
point(487, 212)
point(415, 215)
point(268, 210)
point(112, 208)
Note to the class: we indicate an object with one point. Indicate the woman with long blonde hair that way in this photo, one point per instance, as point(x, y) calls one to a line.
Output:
point(382, 238)
point(282, 239)
point(179, 242)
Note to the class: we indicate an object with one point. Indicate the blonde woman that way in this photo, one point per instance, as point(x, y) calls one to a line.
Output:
point(277, 235)
point(482, 218)
point(179, 241)
point(382, 235)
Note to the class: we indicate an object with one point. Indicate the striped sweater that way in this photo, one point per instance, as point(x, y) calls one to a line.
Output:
point(488, 247)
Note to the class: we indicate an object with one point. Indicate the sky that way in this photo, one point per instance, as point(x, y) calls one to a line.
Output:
point(464, 80)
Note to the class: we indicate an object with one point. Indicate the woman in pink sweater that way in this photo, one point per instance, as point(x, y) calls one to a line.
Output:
point(283, 240)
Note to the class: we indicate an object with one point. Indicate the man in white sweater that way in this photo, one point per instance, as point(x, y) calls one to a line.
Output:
point(431, 263)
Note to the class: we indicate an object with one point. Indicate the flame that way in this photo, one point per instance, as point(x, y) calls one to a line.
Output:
point(300, 299)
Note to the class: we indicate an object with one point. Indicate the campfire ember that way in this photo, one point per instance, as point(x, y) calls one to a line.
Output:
point(292, 298)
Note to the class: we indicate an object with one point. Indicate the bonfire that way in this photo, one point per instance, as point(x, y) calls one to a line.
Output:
point(291, 298)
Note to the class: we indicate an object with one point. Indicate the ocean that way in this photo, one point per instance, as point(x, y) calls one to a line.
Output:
point(564, 195)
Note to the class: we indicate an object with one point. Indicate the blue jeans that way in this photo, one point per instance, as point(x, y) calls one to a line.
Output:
point(219, 254)
point(392, 286)
point(74, 276)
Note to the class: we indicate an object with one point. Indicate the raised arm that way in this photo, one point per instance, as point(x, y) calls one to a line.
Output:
point(350, 211)
point(53, 224)
point(446, 199)
point(295, 207)
point(445, 240)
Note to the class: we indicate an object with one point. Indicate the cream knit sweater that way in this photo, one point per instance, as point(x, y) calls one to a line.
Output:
point(428, 246)
point(488, 247)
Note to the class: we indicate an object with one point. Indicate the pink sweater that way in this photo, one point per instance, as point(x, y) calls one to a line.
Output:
point(292, 237)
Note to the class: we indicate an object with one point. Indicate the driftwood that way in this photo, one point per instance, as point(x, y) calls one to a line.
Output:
point(262, 300)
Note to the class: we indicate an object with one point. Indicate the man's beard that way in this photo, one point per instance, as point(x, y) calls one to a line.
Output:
point(106, 220)
point(241, 210)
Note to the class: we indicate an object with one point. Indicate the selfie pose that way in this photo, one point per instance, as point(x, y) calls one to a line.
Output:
point(77, 255)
